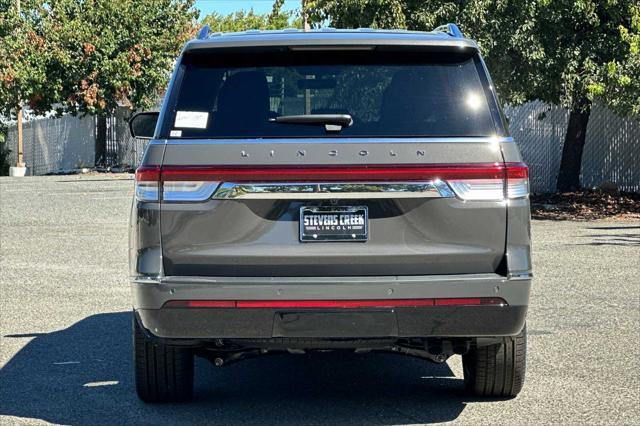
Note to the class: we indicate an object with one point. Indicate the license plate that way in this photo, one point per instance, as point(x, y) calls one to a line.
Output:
point(334, 223)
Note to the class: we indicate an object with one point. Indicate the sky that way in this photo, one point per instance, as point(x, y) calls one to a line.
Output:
point(225, 7)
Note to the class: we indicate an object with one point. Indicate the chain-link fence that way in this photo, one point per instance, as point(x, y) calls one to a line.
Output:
point(611, 152)
point(65, 143)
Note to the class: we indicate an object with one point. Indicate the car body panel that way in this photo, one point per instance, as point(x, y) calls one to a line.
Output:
point(330, 151)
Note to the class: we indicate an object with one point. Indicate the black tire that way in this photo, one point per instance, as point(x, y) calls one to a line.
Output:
point(162, 373)
point(497, 370)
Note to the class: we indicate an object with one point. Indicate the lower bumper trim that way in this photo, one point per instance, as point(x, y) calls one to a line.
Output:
point(260, 323)
point(334, 304)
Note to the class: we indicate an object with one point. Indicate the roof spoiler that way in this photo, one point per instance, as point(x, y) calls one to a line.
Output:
point(203, 33)
point(451, 29)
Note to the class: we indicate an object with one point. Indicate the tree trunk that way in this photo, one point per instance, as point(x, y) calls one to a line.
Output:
point(569, 176)
point(101, 141)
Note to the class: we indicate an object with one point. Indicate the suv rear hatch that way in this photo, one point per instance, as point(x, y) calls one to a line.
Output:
point(386, 162)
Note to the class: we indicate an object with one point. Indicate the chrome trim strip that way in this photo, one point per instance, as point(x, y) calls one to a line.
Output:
point(300, 141)
point(332, 190)
point(238, 282)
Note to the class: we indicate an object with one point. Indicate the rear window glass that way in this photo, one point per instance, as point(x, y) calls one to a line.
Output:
point(387, 94)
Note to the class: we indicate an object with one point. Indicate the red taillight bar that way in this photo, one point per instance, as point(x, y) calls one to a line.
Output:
point(359, 172)
point(334, 173)
point(517, 171)
point(148, 173)
point(333, 304)
point(496, 180)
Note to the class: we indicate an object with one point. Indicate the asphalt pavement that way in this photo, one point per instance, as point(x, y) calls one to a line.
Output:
point(65, 344)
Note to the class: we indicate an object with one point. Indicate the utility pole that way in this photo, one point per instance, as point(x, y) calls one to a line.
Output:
point(19, 170)
point(305, 19)
point(20, 162)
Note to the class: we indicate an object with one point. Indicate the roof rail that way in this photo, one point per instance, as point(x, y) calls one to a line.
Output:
point(451, 29)
point(203, 33)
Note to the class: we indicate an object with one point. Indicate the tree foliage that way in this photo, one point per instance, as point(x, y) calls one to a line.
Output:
point(621, 82)
point(359, 13)
point(24, 58)
point(249, 20)
point(89, 56)
point(109, 53)
point(560, 51)
point(563, 52)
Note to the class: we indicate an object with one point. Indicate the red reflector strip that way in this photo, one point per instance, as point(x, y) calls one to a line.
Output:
point(457, 302)
point(333, 304)
point(343, 304)
point(336, 173)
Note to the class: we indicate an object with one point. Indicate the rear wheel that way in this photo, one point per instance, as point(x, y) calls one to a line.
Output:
point(496, 370)
point(162, 373)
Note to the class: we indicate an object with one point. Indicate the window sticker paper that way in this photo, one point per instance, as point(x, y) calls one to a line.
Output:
point(191, 119)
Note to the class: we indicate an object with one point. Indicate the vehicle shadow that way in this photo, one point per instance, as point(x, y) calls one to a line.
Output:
point(83, 375)
point(612, 238)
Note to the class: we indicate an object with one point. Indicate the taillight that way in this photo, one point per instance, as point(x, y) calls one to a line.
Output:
point(147, 183)
point(469, 182)
point(516, 176)
point(517, 180)
point(150, 182)
point(341, 173)
point(478, 189)
point(188, 190)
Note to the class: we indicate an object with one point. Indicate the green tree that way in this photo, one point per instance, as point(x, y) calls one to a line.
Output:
point(564, 52)
point(113, 53)
point(358, 13)
point(243, 20)
point(623, 77)
point(24, 55)
point(90, 56)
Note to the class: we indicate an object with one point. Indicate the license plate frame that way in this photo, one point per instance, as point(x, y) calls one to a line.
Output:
point(352, 221)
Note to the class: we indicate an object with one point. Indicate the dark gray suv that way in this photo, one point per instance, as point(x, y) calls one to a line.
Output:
point(329, 190)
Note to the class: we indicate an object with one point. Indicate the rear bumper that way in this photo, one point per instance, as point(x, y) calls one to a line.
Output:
point(461, 321)
point(260, 323)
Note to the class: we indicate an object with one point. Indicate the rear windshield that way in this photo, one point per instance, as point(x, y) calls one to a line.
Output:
point(387, 94)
